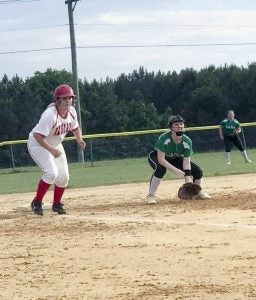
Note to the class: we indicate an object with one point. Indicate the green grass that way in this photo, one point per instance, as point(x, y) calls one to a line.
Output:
point(121, 171)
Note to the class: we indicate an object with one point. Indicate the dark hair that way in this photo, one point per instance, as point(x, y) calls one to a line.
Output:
point(176, 119)
point(231, 110)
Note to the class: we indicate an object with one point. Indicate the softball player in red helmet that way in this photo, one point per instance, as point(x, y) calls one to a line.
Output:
point(45, 147)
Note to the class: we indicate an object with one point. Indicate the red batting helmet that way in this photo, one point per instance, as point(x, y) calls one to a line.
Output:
point(63, 90)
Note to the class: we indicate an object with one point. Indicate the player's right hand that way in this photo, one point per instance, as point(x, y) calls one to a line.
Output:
point(221, 137)
point(82, 144)
point(179, 173)
point(56, 152)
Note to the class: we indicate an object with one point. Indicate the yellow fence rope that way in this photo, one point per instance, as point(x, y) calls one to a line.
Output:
point(127, 133)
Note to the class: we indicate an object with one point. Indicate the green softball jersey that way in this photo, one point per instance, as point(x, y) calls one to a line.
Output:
point(172, 149)
point(229, 126)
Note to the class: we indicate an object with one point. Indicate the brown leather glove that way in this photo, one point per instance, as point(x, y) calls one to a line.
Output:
point(189, 190)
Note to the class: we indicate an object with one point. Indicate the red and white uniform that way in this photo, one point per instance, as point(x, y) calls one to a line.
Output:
point(54, 128)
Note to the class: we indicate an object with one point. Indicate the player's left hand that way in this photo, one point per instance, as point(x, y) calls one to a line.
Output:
point(189, 190)
point(82, 144)
point(235, 133)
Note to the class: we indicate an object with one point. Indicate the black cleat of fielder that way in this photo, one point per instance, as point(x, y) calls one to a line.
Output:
point(58, 208)
point(36, 207)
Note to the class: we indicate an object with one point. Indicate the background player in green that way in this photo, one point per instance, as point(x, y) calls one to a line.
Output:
point(173, 152)
point(229, 132)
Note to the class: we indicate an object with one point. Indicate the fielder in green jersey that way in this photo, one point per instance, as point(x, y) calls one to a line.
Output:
point(172, 149)
point(229, 132)
point(230, 126)
point(173, 152)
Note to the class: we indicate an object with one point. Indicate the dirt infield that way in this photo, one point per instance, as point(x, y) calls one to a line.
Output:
point(112, 246)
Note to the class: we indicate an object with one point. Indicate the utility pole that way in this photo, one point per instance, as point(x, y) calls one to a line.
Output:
point(71, 9)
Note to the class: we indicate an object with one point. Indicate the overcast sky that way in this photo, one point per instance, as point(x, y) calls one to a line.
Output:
point(41, 24)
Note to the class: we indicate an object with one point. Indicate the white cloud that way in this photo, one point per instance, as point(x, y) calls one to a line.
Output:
point(11, 22)
point(124, 35)
point(181, 17)
point(119, 18)
point(103, 62)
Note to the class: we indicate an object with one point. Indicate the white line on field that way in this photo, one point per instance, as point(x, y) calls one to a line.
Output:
point(159, 221)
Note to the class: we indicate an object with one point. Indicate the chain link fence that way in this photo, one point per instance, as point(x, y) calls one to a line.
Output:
point(112, 146)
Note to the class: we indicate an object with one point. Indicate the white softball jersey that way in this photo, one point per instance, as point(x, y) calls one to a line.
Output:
point(54, 128)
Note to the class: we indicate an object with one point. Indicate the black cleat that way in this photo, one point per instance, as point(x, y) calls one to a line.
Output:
point(36, 207)
point(58, 208)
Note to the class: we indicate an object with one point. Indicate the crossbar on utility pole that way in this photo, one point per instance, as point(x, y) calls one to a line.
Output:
point(71, 8)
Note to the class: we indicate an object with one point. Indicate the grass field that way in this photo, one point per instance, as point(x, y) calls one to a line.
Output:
point(111, 246)
point(121, 171)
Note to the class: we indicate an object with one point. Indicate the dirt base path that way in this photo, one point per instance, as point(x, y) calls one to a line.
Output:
point(112, 246)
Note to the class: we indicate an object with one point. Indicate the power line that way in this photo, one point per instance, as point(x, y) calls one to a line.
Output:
point(34, 50)
point(167, 45)
point(134, 25)
point(132, 46)
point(34, 28)
point(16, 1)
point(166, 25)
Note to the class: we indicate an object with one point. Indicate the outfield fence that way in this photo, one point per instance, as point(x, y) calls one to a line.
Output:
point(128, 144)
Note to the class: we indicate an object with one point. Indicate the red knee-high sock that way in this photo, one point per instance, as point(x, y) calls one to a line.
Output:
point(58, 193)
point(41, 190)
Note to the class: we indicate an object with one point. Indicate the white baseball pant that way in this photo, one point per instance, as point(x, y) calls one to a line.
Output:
point(55, 169)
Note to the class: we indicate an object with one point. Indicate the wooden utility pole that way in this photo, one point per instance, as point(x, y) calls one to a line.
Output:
point(71, 8)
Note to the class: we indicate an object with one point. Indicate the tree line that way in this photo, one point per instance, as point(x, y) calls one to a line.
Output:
point(136, 101)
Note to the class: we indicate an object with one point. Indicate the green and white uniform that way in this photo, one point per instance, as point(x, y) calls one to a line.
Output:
point(174, 154)
point(230, 136)
point(229, 126)
point(172, 149)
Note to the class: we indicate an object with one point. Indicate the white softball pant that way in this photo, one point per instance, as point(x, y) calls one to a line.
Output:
point(55, 169)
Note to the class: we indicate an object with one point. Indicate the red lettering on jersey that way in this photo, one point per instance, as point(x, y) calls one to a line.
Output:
point(62, 128)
